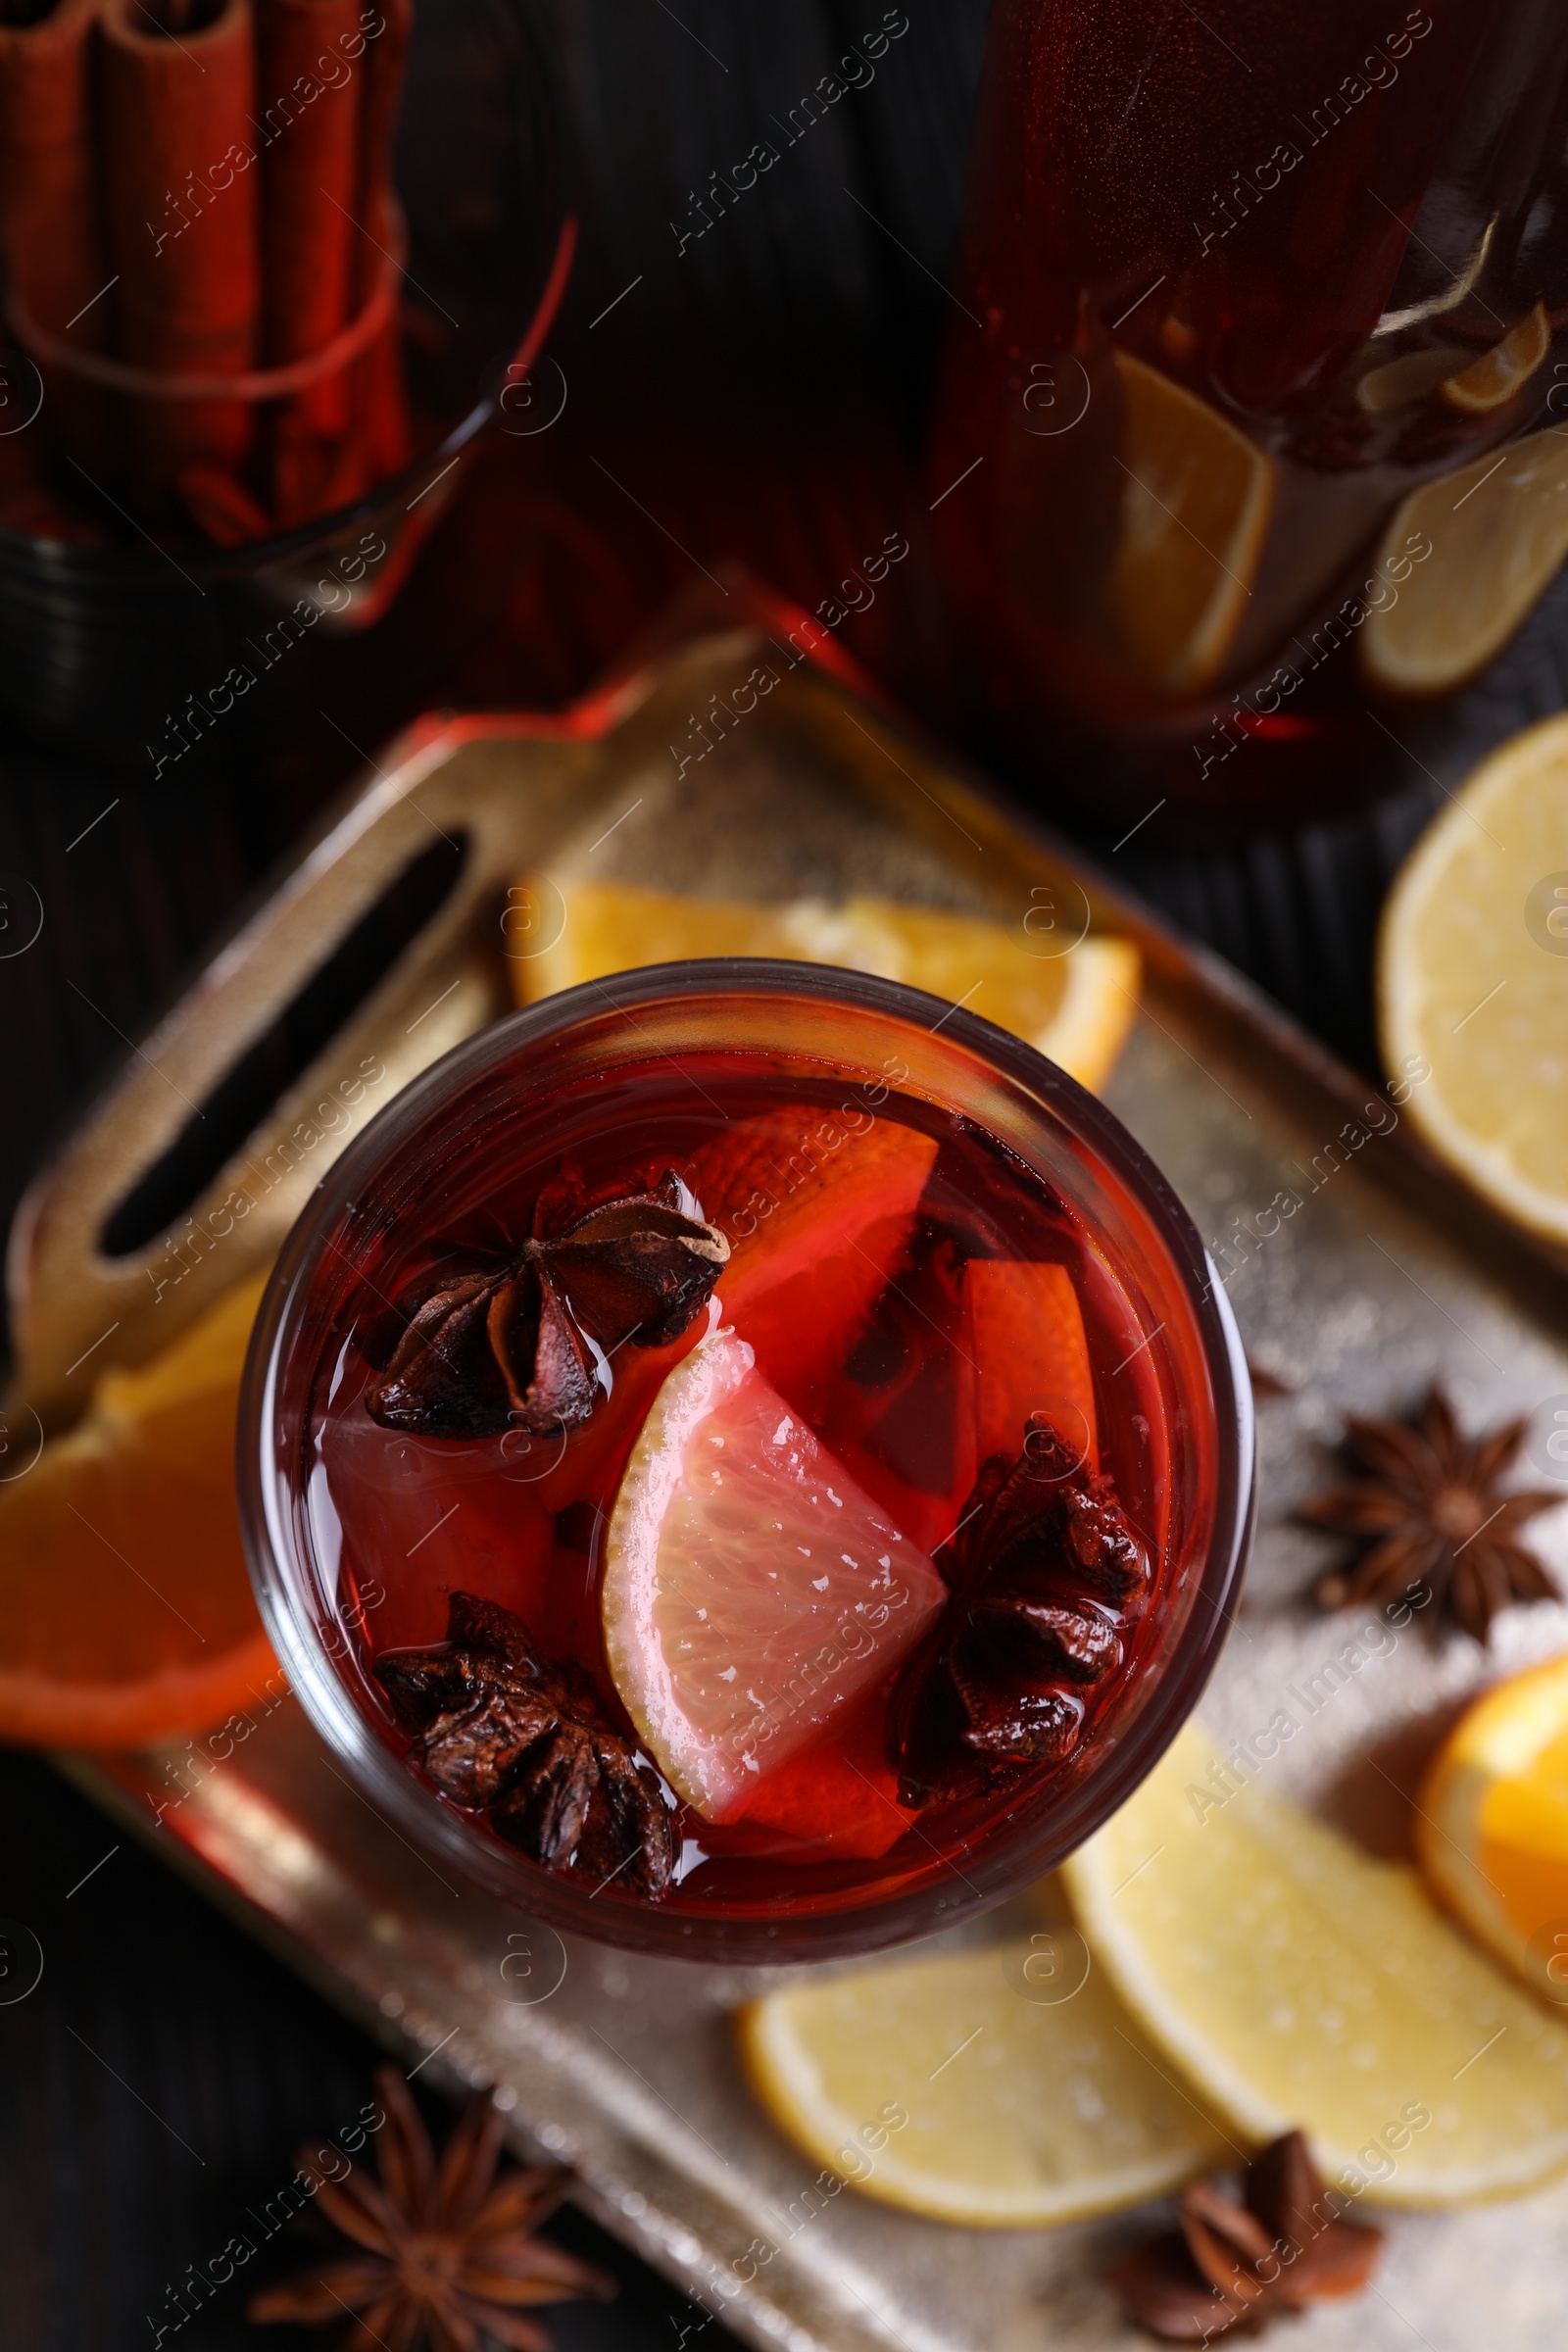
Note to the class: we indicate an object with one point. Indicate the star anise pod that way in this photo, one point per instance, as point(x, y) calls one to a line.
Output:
point(1044, 1574)
point(1432, 1510)
point(446, 2257)
point(527, 1341)
point(1238, 2265)
point(501, 1729)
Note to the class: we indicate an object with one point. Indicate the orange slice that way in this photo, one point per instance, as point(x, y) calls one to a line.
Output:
point(1196, 505)
point(751, 1589)
point(840, 1794)
point(1498, 373)
point(126, 1611)
point(817, 1218)
point(818, 1213)
point(1491, 1830)
point(1025, 1338)
point(1075, 1007)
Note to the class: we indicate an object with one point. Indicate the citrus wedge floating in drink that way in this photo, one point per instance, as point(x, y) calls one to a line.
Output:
point(1472, 979)
point(840, 1795)
point(943, 2086)
point(1297, 1982)
point(1076, 1008)
point(1024, 1336)
point(1494, 534)
point(126, 1611)
point(821, 1209)
point(751, 1589)
point(1492, 1825)
point(1488, 382)
point(1195, 508)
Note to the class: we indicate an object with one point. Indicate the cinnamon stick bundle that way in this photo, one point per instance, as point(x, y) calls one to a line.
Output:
point(194, 193)
point(49, 232)
point(182, 205)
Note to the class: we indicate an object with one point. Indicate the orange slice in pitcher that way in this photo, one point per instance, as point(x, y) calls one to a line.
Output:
point(126, 1611)
point(1500, 371)
point(1196, 503)
point(752, 1590)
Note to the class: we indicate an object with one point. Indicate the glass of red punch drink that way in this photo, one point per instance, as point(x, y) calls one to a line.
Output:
point(745, 1460)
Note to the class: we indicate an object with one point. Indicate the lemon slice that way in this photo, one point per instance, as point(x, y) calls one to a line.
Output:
point(1498, 373)
point(752, 1589)
point(1472, 980)
point(1492, 1826)
point(1497, 532)
point(1075, 1007)
point(1196, 505)
point(1296, 1982)
point(1409, 377)
point(937, 2085)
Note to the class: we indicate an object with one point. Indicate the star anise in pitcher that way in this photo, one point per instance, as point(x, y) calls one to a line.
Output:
point(1045, 1575)
point(1431, 1513)
point(501, 1729)
point(528, 1342)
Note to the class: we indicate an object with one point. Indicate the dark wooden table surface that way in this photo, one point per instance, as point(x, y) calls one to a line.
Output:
point(760, 396)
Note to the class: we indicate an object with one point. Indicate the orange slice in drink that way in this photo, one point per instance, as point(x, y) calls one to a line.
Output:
point(1196, 505)
point(752, 1590)
point(1075, 1007)
point(1468, 556)
point(1493, 378)
point(1491, 1827)
point(818, 1216)
point(126, 1611)
point(841, 1795)
point(1025, 1338)
point(818, 1211)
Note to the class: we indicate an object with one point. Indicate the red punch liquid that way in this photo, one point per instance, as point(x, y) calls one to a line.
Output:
point(911, 1290)
point(1198, 233)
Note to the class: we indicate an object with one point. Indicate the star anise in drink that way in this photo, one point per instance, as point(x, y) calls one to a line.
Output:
point(1432, 1512)
point(501, 1730)
point(528, 1342)
point(1045, 1575)
point(441, 2255)
point(1241, 2263)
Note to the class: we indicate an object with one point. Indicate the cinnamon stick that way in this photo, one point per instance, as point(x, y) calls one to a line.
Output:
point(309, 93)
point(179, 95)
point(381, 431)
point(49, 232)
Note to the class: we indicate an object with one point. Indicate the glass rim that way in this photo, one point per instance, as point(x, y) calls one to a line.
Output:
point(881, 1921)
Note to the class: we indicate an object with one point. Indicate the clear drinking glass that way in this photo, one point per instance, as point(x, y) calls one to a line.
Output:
point(653, 1065)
